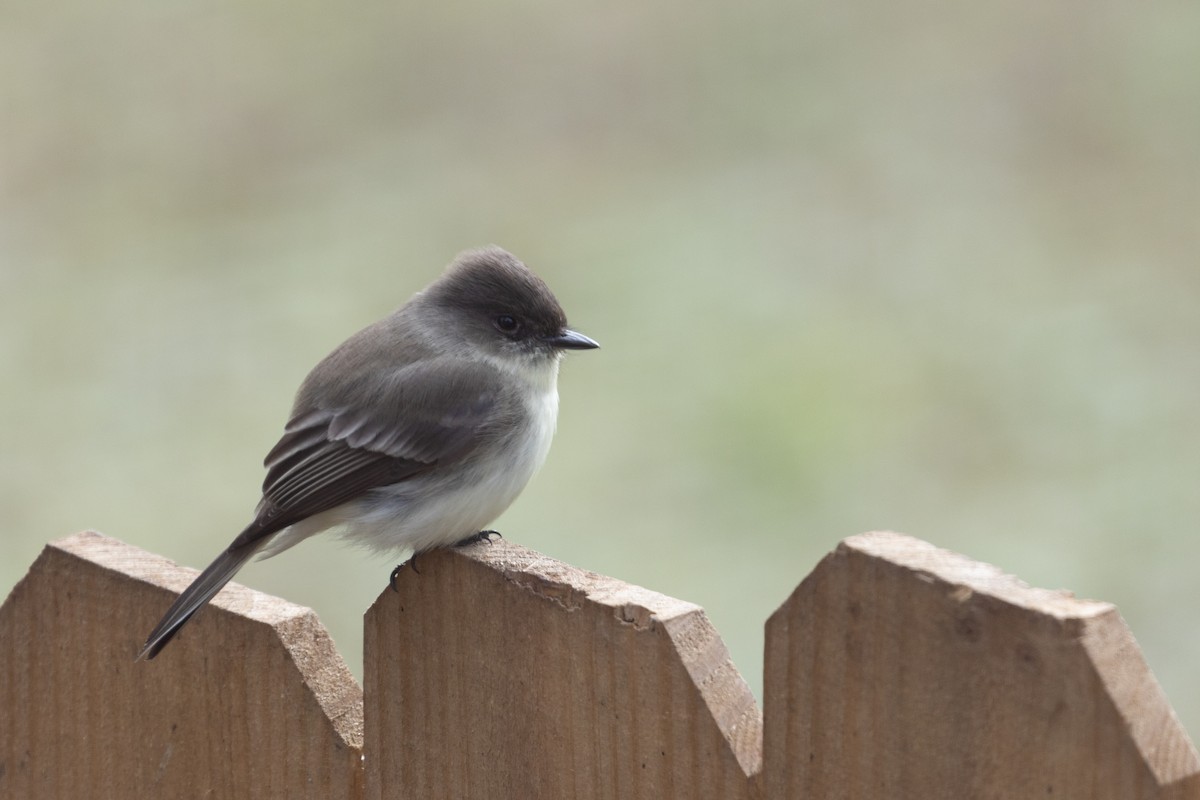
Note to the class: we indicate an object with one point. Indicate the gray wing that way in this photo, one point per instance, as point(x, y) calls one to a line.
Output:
point(436, 412)
point(423, 415)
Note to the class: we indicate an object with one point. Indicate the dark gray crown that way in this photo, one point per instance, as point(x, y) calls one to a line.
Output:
point(491, 282)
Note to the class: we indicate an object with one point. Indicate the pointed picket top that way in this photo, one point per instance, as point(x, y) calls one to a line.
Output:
point(509, 674)
point(251, 700)
point(897, 669)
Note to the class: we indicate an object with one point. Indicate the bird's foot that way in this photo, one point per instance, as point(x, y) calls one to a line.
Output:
point(411, 564)
point(475, 538)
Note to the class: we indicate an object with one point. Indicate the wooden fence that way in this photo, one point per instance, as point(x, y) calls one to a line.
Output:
point(895, 670)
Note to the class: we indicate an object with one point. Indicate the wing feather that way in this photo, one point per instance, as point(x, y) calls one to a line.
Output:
point(333, 453)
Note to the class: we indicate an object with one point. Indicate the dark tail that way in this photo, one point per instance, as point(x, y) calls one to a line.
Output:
point(218, 573)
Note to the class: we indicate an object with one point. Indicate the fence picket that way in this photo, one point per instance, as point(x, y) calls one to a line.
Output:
point(897, 669)
point(504, 673)
point(251, 700)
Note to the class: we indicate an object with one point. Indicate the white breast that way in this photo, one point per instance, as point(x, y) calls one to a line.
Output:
point(443, 517)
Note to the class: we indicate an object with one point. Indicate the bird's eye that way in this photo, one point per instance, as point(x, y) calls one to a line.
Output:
point(507, 323)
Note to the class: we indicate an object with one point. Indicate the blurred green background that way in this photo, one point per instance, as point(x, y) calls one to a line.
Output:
point(922, 266)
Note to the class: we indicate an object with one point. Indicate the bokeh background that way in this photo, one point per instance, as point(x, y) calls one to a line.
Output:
point(921, 265)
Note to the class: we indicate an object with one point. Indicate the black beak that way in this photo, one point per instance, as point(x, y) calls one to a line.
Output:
point(570, 340)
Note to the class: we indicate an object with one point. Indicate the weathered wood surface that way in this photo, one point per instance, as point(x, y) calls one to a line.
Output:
point(895, 670)
point(899, 670)
point(251, 700)
point(501, 673)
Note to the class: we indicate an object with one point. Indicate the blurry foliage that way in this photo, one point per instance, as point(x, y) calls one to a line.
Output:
point(922, 266)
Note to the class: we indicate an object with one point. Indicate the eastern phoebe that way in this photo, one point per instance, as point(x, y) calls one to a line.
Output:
point(418, 430)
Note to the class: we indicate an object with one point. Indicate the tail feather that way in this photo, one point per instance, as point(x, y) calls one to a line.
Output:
point(193, 598)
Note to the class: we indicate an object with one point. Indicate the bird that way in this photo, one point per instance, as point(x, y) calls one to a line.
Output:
point(417, 431)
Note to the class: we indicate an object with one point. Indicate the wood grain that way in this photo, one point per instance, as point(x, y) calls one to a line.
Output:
point(252, 700)
point(895, 670)
point(899, 670)
point(496, 672)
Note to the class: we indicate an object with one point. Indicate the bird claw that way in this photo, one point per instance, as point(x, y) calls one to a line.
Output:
point(411, 564)
point(475, 538)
